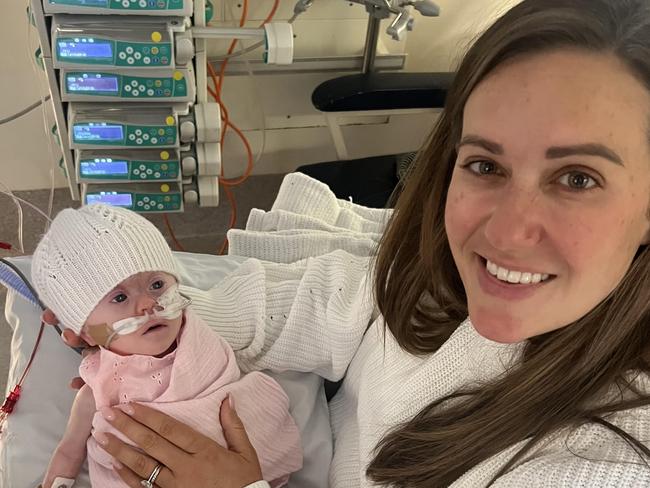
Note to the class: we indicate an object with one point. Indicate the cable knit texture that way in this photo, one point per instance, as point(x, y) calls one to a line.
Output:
point(311, 315)
point(190, 384)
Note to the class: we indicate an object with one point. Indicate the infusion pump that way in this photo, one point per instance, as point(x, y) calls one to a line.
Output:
point(123, 83)
point(125, 77)
point(119, 7)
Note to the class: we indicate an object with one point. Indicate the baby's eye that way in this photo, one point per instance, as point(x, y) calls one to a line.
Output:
point(119, 298)
point(157, 285)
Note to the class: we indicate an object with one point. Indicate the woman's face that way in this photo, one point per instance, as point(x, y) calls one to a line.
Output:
point(550, 190)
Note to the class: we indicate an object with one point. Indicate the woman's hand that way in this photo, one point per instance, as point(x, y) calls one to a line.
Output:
point(188, 457)
point(70, 339)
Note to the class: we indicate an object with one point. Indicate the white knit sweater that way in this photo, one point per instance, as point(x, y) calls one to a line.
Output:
point(304, 302)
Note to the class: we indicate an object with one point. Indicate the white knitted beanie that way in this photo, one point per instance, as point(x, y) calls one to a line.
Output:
point(87, 252)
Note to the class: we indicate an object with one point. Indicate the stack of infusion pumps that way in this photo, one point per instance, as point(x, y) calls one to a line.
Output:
point(123, 88)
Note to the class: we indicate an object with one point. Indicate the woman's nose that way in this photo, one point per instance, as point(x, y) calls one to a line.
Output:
point(516, 222)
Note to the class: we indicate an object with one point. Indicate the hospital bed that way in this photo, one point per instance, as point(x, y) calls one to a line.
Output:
point(38, 422)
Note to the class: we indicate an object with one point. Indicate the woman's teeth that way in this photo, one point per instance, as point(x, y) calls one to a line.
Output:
point(508, 276)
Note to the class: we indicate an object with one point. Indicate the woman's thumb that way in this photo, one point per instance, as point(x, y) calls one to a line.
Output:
point(234, 430)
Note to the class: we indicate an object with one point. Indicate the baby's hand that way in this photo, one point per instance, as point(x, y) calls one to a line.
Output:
point(63, 469)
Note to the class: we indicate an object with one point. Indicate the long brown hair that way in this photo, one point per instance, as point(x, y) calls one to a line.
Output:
point(562, 373)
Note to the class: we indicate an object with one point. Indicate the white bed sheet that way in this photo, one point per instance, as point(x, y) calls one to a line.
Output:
point(38, 422)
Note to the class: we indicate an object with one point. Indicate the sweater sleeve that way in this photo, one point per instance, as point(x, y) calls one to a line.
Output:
point(307, 316)
point(574, 472)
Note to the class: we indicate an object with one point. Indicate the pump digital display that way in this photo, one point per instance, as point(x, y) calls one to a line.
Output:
point(90, 83)
point(87, 133)
point(86, 48)
point(111, 198)
point(104, 168)
point(83, 3)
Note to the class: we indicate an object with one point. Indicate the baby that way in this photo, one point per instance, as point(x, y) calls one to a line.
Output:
point(109, 276)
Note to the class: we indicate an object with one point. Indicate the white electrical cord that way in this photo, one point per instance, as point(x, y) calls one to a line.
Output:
point(258, 101)
point(25, 111)
point(29, 204)
point(20, 215)
point(37, 75)
point(260, 104)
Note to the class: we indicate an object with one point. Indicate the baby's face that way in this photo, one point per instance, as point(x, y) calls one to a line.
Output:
point(134, 297)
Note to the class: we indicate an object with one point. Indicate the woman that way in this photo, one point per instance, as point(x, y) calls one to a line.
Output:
point(529, 211)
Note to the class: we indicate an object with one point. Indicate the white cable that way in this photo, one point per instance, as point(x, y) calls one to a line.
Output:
point(20, 216)
point(46, 131)
point(29, 204)
point(258, 101)
point(260, 104)
point(25, 111)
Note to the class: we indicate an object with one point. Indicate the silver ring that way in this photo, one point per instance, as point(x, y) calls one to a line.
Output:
point(152, 477)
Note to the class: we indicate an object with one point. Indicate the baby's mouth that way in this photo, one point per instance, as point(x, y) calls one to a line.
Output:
point(152, 328)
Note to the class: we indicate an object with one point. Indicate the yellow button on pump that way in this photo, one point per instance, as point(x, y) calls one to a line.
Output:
point(156, 36)
point(164, 188)
point(170, 120)
point(178, 76)
point(164, 155)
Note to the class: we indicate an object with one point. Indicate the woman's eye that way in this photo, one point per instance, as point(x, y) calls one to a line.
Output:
point(578, 181)
point(157, 285)
point(482, 167)
point(119, 298)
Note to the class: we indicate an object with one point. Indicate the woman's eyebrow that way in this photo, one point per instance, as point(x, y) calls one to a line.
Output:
point(556, 152)
point(591, 149)
point(488, 145)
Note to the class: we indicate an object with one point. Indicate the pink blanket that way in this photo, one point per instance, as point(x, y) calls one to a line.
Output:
point(189, 384)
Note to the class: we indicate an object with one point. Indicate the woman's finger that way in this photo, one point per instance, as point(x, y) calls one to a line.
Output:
point(129, 477)
point(76, 383)
point(234, 430)
point(149, 441)
point(49, 317)
point(138, 463)
point(71, 339)
point(135, 481)
point(168, 428)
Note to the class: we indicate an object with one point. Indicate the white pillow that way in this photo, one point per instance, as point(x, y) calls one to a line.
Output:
point(37, 424)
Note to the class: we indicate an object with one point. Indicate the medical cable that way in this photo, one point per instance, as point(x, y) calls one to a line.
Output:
point(10, 275)
point(216, 94)
point(235, 54)
point(20, 213)
point(172, 234)
point(15, 199)
point(24, 111)
point(43, 84)
point(43, 214)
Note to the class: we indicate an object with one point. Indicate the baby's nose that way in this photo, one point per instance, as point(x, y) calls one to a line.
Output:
point(146, 304)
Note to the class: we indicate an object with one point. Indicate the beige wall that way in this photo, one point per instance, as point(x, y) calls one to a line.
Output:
point(296, 133)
